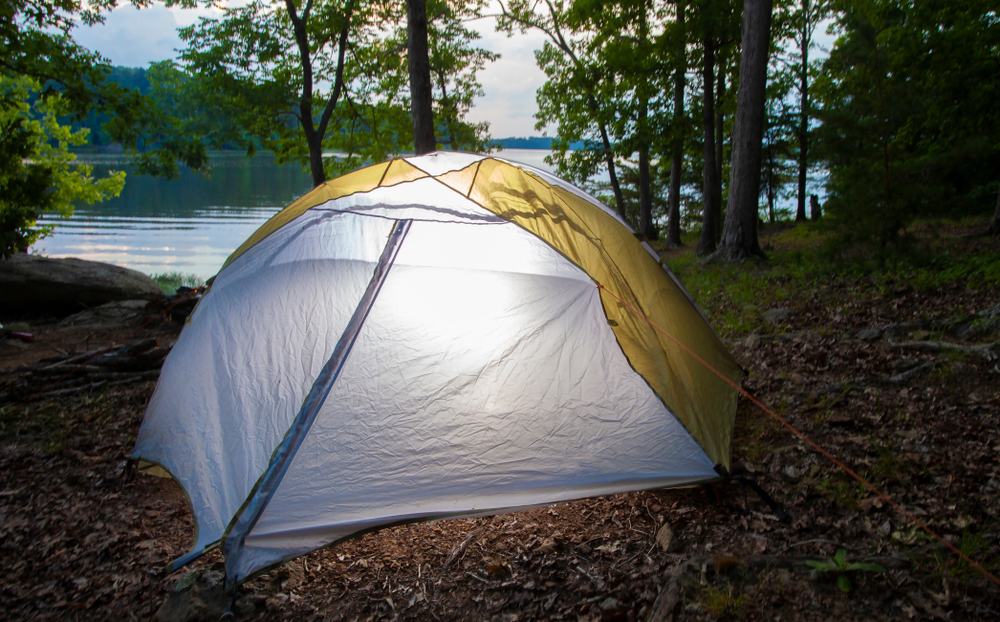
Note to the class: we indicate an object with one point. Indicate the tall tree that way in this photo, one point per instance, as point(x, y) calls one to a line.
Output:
point(910, 125)
point(804, 20)
point(643, 133)
point(739, 235)
point(454, 64)
point(305, 77)
point(712, 209)
point(421, 99)
point(780, 125)
point(719, 32)
point(673, 236)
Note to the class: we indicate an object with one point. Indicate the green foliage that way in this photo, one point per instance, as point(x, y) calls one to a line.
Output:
point(910, 123)
point(37, 43)
point(38, 174)
point(839, 566)
point(974, 545)
point(340, 85)
point(731, 293)
point(722, 601)
point(609, 86)
point(170, 281)
point(975, 271)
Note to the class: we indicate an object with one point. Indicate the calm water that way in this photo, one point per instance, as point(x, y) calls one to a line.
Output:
point(191, 224)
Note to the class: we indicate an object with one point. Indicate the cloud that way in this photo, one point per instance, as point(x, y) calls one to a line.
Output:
point(509, 83)
point(133, 37)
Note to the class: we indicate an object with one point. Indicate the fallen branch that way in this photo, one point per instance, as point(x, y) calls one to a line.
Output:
point(908, 375)
point(132, 378)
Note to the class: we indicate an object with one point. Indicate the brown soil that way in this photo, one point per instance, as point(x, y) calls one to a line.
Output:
point(76, 544)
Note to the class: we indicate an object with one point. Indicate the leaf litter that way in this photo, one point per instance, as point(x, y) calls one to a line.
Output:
point(77, 543)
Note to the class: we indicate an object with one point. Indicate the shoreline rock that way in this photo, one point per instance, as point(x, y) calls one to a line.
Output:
point(35, 282)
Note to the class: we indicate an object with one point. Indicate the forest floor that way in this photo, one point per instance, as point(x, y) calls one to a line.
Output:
point(895, 372)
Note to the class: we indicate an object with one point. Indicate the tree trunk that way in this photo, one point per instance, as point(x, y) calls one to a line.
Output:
point(739, 237)
point(815, 211)
point(720, 131)
point(995, 225)
point(646, 227)
point(609, 161)
point(770, 182)
point(800, 213)
point(448, 141)
point(313, 138)
point(710, 216)
point(421, 97)
point(677, 157)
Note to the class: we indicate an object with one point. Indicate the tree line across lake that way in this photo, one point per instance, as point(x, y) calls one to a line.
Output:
point(701, 114)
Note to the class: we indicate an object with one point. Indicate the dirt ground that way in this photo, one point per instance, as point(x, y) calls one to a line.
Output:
point(922, 424)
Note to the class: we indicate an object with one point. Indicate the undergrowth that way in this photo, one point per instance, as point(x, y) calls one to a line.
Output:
point(170, 281)
point(735, 296)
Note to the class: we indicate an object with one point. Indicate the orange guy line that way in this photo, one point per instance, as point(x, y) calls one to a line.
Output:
point(805, 438)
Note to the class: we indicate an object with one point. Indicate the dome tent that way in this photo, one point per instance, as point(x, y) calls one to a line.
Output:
point(430, 337)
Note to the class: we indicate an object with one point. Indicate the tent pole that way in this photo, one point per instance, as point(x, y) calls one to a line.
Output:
point(245, 520)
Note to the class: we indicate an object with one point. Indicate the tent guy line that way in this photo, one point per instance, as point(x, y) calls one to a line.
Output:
point(808, 440)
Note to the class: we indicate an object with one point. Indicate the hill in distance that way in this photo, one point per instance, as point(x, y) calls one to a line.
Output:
point(530, 142)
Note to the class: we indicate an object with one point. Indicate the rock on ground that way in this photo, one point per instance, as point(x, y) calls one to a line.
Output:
point(31, 281)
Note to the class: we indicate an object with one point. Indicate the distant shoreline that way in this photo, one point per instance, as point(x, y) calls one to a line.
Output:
point(530, 142)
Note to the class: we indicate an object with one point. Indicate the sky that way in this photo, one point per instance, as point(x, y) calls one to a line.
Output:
point(136, 37)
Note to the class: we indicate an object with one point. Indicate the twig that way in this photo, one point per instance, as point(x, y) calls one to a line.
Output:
point(459, 549)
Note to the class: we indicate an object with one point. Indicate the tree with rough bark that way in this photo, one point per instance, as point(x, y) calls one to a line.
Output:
point(421, 96)
point(716, 19)
point(678, 126)
point(739, 234)
point(711, 208)
point(803, 21)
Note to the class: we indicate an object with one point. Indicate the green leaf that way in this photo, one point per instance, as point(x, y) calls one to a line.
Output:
point(844, 583)
point(821, 566)
point(840, 558)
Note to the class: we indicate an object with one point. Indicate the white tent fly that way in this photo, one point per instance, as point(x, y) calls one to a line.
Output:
point(435, 336)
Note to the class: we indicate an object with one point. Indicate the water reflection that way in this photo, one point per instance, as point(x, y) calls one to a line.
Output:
point(190, 224)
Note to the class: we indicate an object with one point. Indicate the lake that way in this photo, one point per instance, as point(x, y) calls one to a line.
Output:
point(190, 224)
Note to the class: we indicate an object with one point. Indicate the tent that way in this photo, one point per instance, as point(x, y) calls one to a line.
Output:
point(430, 337)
